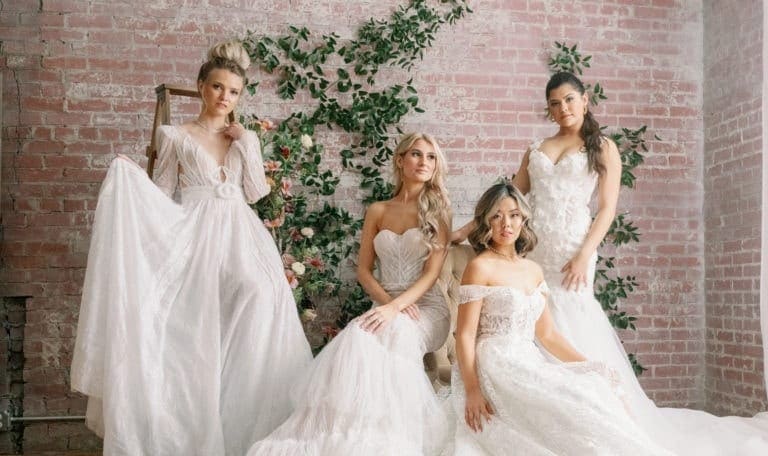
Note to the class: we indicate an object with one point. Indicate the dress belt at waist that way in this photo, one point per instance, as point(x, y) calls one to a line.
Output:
point(223, 191)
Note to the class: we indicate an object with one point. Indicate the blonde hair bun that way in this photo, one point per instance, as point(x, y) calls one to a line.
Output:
point(231, 50)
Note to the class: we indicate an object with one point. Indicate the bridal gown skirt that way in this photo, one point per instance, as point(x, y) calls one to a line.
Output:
point(580, 318)
point(188, 333)
point(368, 394)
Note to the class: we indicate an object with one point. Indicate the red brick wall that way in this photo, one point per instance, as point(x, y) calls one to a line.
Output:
point(78, 88)
point(733, 142)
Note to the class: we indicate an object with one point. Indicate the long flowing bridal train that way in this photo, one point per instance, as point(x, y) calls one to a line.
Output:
point(560, 195)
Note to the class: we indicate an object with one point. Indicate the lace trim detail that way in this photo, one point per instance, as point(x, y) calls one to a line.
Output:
point(469, 293)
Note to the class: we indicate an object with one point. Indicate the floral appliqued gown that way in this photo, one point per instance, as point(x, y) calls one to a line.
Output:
point(560, 195)
point(541, 407)
point(188, 334)
point(368, 394)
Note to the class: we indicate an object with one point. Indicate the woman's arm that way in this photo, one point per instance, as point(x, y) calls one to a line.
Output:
point(458, 236)
point(608, 194)
point(467, 322)
point(367, 256)
point(522, 180)
point(248, 144)
point(553, 341)
point(166, 174)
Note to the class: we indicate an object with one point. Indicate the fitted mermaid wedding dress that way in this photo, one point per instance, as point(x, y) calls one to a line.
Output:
point(368, 394)
point(560, 195)
point(188, 333)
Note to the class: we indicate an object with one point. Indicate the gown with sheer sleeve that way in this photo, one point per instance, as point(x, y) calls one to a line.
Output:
point(188, 333)
point(368, 394)
point(560, 195)
point(541, 407)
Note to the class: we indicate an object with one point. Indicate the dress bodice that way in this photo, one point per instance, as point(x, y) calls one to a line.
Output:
point(507, 311)
point(560, 195)
point(243, 165)
point(400, 257)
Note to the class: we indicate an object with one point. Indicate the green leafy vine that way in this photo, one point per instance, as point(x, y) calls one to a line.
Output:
point(339, 77)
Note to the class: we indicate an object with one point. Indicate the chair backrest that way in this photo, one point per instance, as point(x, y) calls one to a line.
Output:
point(163, 115)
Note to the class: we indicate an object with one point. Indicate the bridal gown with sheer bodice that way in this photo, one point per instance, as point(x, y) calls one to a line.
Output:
point(560, 195)
point(541, 407)
point(188, 333)
point(368, 394)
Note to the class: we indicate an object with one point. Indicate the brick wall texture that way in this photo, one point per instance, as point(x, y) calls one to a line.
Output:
point(733, 157)
point(78, 87)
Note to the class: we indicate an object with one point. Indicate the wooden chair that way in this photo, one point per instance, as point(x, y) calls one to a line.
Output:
point(438, 363)
point(163, 115)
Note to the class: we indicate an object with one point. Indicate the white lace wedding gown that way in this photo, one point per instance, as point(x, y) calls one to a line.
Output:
point(541, 407)
point(188, 334)
point(368, 394)
point(560, 195)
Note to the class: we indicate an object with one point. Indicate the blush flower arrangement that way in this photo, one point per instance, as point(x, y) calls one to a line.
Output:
point(312, 236)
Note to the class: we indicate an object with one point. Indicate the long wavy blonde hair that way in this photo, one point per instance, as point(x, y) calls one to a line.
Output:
point(433, 202)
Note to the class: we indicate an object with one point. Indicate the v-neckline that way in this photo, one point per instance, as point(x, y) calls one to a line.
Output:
point(203, 150)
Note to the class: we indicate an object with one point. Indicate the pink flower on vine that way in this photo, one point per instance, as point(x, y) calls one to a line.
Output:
point(291, 277)
point(271, 166)
point(295, 234)
point(288, 260)
point(276, 223)
point(316, 263)
point(285, 187)
point(266, 124)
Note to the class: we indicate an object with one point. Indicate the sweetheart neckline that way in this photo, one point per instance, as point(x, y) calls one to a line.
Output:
point(564, 157)
point(396, 233)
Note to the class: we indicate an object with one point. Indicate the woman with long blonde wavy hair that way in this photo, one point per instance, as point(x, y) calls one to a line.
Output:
point(367, 392)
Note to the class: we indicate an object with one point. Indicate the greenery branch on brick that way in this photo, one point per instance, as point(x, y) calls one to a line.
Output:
point(339, 77)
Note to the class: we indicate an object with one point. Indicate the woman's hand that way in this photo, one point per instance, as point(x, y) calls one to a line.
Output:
point(575, 273)
point(377, 318)
point(234, 131)
point(412, 311)
point(477, 408)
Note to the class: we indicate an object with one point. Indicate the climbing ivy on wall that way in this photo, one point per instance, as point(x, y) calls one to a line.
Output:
point(340, 78)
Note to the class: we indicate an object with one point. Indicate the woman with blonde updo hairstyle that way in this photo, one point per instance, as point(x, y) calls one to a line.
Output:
point(188, 333)
point(367, 392)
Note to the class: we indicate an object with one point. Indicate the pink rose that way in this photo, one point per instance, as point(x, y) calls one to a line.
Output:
point(291, 277)
point(271, 166)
